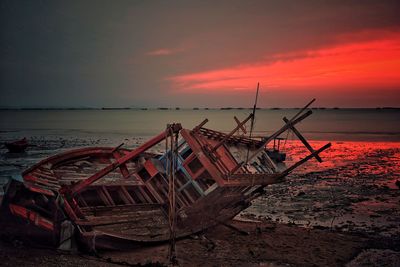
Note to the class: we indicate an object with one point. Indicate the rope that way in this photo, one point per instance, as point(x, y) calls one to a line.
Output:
point(287, 136)
point(171, 147)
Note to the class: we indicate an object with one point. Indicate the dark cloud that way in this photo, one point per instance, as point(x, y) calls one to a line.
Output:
point(96, 53)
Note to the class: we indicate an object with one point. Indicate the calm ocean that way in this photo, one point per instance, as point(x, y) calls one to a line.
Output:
point(323, 124)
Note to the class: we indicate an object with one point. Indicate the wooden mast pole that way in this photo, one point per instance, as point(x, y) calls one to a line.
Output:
point(252, 121)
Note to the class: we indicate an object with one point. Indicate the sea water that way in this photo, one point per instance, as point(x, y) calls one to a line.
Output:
point(323, 124)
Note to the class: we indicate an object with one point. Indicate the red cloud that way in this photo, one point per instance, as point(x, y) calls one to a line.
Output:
point(160, 52)
point(363, 61)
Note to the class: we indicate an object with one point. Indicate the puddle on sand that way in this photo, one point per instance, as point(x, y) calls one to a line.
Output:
point(353, 190)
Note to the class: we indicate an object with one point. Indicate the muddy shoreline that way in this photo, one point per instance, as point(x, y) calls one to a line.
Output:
point(347, 212)
point(267, 244)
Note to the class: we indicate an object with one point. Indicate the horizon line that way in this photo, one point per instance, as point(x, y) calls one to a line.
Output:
point(188, 108)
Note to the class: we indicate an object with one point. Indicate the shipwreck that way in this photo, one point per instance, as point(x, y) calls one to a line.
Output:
point(116, 198)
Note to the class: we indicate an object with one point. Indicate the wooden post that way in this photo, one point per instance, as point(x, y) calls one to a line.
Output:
point(303, 140)
point(252, 121)
point(231, 133)
point(301, 110)
point(238, 122)
point(118, 147)
point(237, 167)
point(195, 129)
point(294, 166)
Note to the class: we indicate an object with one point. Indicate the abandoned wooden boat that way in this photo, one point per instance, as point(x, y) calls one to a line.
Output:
point(116, 198)
point(18, 146)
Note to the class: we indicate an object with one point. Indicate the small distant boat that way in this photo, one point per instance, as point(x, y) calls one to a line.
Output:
point(18, 146)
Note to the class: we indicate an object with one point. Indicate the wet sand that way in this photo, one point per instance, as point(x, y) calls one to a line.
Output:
point(355, 190)
point(267, 244)
point(345, 210)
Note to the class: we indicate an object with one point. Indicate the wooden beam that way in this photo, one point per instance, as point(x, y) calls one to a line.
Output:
point(248, 179)
point(241, 126)
point(195, 145)
point(195, 129)
point(211, 134)
point(78, 187)
point(127, 195)
point(107, 195)
point(234, 228)
point(301, 110)
point(123, 169)
point(303, 140)
point(231, 133)
point(270, 161)
point(245, 179)
point(294, 166)
point(279, 132)
point(32, 216)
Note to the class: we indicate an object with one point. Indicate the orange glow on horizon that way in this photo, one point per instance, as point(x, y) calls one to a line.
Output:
point(366, 64)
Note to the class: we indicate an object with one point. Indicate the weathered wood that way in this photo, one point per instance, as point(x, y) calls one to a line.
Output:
point(279, 132)
point(152, 142)
point(235, 140)
point(301, 110)
point(195, 129)
point(32, 216)
point(117, 148)
point(195, 145)
point(231, 133)
point(123, 169)
point(230, 226)
point(248, 179)
point(241, 126)
point(302, 139)
point(300, 162)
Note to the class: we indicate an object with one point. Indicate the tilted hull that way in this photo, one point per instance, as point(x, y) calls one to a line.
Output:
point(116, 212)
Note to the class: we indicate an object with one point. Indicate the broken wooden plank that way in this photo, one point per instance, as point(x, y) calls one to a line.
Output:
point(303, 140)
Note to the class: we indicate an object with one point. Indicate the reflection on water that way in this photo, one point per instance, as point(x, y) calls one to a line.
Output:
point(344, 153)
point(343, 124)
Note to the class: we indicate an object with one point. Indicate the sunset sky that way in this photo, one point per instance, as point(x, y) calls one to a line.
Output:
point(199, 53)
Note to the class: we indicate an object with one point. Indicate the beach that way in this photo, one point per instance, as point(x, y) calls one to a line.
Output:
point(252, 133)
point(345, 210)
